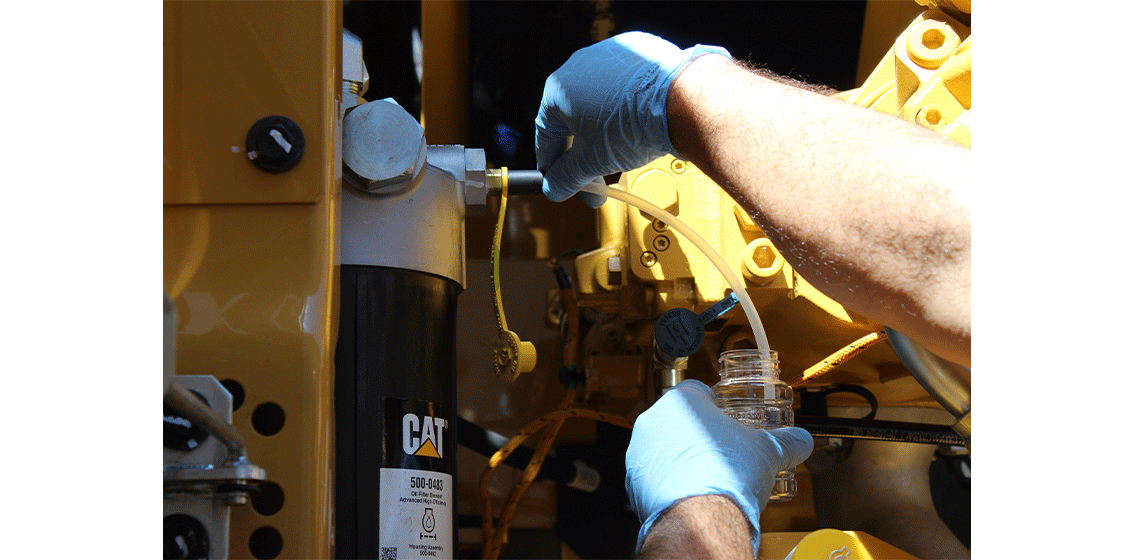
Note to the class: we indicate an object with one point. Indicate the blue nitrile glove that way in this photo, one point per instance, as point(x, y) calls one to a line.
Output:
point(685, 446)
point(611, 98)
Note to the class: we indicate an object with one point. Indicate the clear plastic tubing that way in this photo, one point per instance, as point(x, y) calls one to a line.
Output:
point(669, 219)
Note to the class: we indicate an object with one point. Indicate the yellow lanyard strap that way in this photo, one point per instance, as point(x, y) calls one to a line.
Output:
point(511, 356)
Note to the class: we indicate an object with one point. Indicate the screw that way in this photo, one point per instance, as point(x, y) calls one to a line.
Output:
point(661, 243)
point(678, 166)
point(659, 225)
point(648, 259)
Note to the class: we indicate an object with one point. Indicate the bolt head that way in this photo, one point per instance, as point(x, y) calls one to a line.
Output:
point(384, 148)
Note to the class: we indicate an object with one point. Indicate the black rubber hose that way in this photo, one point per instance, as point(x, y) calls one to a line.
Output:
point(525, 181)
point(479, 439)
point(880, 430)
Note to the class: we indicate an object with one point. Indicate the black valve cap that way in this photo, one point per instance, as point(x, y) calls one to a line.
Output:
point(679, 332)
point(275, 143)
point(185, 538)
point(178, 432)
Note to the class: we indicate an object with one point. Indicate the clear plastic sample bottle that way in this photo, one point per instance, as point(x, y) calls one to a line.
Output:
point(752, 393)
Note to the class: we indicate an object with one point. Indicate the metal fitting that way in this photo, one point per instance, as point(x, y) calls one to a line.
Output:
point(355, 76)
point(475, 190)
point(947, 382)
point(467, 167)
point(384, 148)
point(671, 370)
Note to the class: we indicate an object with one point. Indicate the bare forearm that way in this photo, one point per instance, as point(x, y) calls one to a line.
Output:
point(871, 210)
point(700, 527)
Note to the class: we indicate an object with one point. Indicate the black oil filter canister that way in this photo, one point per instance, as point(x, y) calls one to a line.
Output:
point(395, 414)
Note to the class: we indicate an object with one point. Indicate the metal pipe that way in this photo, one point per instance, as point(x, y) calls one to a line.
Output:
point(947, 382)
point(880, 430)
point(188, 404)
point(670, 369)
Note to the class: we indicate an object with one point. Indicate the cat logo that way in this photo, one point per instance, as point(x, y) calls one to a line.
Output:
point(428, 441)
point(842, 554)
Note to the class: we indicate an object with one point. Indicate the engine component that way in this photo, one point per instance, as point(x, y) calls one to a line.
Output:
point(395, 401)
point(948, 382)
point(384, 148)
point(204, 475)
point(356, 79)
point(678, 334)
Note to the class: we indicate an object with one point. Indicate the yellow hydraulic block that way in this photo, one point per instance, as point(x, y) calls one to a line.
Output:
point(924, 78)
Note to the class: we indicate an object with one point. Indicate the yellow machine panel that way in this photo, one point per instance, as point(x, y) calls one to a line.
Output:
point(250, 255)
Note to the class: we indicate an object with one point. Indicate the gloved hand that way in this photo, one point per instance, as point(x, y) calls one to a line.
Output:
point(685, 446)
point(611, 98)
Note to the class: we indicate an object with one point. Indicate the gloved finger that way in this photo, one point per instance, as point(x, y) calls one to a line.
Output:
point(695, 386)
point(551, 137)
point(796, 445)
point(567, 175)
point(593, 200)
point(554, 189)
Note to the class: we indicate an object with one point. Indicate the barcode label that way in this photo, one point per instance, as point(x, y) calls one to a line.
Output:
point(389, 553)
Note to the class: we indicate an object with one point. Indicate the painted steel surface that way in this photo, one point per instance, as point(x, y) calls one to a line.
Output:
point(250, 257)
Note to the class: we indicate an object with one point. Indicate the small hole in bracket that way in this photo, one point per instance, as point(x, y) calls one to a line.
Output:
point(270, 500)
point(236, 390)
point(265, 543)
point(268, 419)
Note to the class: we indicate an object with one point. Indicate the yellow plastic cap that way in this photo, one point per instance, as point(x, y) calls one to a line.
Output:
point(829, 544)
point(527, 359)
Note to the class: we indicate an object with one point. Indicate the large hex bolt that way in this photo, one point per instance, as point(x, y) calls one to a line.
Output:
point(384, 148)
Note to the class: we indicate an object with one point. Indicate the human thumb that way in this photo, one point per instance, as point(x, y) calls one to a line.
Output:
point(796, 445)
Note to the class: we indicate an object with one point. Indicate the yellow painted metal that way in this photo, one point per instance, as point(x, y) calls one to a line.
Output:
point(884, 20)
point(827, 544)
point(445, 79)
point(250, 257)
point(924, 77)
point(804, 325)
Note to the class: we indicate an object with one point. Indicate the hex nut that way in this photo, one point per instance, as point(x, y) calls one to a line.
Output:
point(384, 148)
point(354, 70)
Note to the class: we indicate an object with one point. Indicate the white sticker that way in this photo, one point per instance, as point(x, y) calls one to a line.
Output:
point(417, 510)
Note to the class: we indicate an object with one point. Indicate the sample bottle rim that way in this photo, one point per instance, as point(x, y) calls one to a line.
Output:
point(749, 362)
